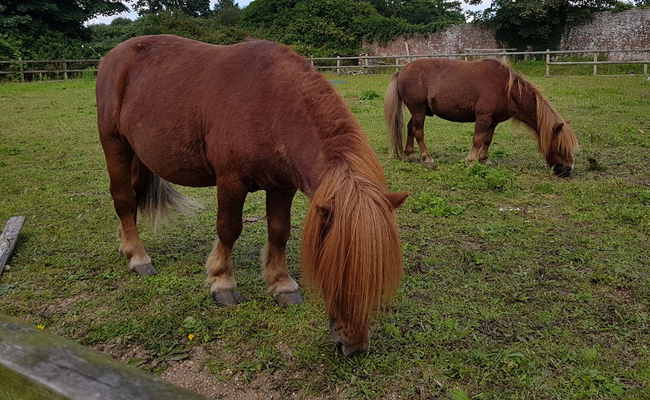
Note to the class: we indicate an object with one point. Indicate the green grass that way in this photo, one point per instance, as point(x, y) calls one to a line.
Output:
point(517, 284)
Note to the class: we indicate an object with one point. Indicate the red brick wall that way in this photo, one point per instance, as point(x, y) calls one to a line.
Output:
point(612, 31)
point(447, 41)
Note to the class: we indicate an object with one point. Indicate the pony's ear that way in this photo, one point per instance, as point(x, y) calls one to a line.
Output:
point(567, 121)
point(557, 127)
point(397, 198)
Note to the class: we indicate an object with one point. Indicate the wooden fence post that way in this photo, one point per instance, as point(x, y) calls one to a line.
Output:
point(645, 66)
point(338, 65)
point(65, 70)
point(8, 239)
point(548, 60)
point(22, 74)
point(595, 65)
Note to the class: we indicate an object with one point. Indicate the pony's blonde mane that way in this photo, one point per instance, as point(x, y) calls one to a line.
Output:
point(351, 251)
point(547, 116)
point(353, 254)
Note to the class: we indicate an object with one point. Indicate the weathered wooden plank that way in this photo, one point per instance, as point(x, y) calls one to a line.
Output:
point(8, 239)
point(35, 364)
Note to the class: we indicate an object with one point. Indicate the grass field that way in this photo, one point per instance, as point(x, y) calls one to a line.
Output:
point(517, 285)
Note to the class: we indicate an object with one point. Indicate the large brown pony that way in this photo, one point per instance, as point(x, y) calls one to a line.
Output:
point(486, 92)
point(252, 116)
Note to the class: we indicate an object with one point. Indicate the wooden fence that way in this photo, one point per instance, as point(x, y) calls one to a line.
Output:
point(64, 69)
point(35, 364)
point(50, 69)
point(364, 64)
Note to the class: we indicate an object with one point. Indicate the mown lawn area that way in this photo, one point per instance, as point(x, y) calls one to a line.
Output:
point(517, 284)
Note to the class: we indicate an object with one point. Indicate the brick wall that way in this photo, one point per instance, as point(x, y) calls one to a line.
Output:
point(612, 31)
point(451, 40)
point(622, 30)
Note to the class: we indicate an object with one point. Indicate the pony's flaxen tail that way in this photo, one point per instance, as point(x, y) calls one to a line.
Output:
point(350, 249)
point(160, 198)
point(394, 118)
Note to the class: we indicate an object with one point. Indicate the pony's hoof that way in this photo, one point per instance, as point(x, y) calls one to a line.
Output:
point(411, 158)
point(430, 165)
point(227, 297)
point(145, 269)
point(287, 299)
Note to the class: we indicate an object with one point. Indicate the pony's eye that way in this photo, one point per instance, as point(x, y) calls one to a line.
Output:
point(325, 227)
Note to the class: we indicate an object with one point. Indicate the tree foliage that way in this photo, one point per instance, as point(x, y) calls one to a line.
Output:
point(420, 12)
point(192, 8)
point(314, 27)
point(50, 28)
point(227, 12)
point(336, 27)
point(209, 30)
point(39, 29)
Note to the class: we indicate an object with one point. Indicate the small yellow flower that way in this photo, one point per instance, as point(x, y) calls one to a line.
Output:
point(190, 336)
point(40, 326)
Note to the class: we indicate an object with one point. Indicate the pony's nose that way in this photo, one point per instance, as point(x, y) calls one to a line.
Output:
point(352, 351)
point(563, 171)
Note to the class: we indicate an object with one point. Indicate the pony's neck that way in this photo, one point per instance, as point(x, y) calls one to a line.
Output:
point(350, 149)
point(343, 142)
point(524, 98)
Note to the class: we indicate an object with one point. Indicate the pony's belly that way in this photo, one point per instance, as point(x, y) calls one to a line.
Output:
point(456, 115)
point(190, 178)
point(185, 172)
point(452, 110)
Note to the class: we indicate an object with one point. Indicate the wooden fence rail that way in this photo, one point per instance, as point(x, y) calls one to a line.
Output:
point(362, 64)
point(35, 364)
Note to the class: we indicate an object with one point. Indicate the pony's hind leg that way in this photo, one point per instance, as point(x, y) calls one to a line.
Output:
point(416, 130)
point(409, 150)
point(274, 260)
point(128, 180)
point(231, 195)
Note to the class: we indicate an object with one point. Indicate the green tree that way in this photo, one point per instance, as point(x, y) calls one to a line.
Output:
point(427, 11)
point(227, 12)
point(313, 27)
point(192, 8)
point(419, 11)
point(52, 28)
point(336, 27)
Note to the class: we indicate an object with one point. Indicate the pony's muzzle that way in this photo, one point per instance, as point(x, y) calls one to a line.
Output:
point(352, 351)
point(563, 171)
point(343, 346)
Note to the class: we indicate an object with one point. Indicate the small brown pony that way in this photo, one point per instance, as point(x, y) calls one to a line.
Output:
point(486, 92)
point(247, 117)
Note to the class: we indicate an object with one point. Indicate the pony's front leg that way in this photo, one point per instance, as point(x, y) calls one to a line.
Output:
point(231, 195)
point(483, 132)
point(274, 260)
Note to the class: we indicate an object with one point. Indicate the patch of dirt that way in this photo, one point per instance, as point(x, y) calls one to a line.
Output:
point(193, 374)
point(61, 306)
point(122, 353)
